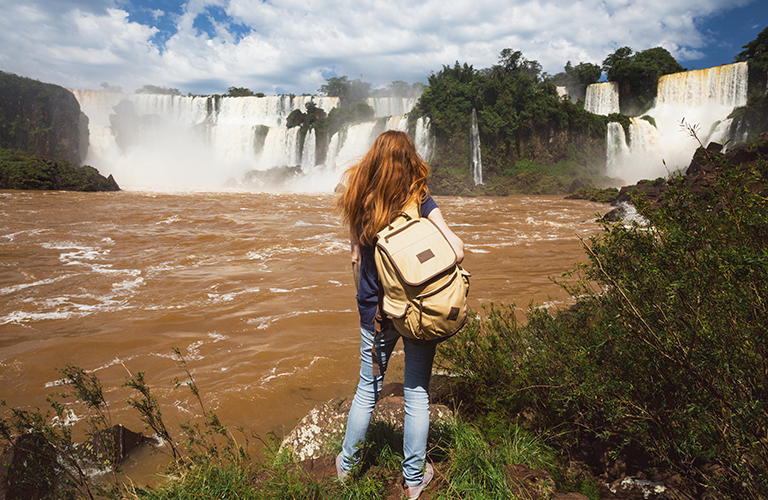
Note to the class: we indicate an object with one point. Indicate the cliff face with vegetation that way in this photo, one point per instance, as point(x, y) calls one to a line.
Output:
point(42, 119)
point(25, 171)
point(532, 140)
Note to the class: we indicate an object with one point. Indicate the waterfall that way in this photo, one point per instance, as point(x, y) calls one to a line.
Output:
point(397, 123)
point(178, 142)
point(423, 138)
point(349, 145)
point(391, 106)
point(702, 98)
point(617, 150)
point(723, 85)
point(602, 98)
point(477, 161)
point(150, 141)
point(643, 158)
point(308, 151)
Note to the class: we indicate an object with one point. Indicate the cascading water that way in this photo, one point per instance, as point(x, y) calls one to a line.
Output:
point(391, 106)
point(308, 151)
point(602, 98)
point(617, 150)
point(158, 141)
point(702, 98)
point(423, 138)
point(477, 161)
point(723, 85)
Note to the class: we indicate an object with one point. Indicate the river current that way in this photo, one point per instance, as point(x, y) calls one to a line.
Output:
point(255, 289)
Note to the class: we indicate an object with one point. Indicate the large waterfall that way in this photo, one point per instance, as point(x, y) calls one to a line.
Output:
point(659, 143)
point(176, 142)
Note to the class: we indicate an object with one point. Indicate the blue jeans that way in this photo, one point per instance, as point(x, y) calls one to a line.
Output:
point(418, 368)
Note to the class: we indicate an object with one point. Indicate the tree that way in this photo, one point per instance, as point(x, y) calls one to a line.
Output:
point(756, 52)
point(512, 62)
point(614, 63)
point(587, 73)
point(658, 61)
point(335, 86)
point(577, 79)
point(240, 92)
point(348, 91)
point(638, 74)
point(510, 59)
point(153, 89)
point(111, 88)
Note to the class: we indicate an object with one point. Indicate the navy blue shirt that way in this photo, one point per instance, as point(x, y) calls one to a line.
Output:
point(368, 294)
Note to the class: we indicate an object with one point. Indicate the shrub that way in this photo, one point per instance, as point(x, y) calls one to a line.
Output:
point(665, 347)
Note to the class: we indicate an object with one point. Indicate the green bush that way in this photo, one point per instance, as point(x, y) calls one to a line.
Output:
point(665, 348)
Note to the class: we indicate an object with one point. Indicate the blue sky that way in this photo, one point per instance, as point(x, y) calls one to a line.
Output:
point(291, 46)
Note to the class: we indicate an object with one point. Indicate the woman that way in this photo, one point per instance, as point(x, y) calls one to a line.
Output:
point(391, 174)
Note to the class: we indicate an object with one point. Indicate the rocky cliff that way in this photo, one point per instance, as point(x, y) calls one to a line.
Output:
point(23, 171)
point(42, 119)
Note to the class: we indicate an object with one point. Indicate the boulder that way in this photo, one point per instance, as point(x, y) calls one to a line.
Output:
point(325, 422)
point(30, 468)
point(123, 441)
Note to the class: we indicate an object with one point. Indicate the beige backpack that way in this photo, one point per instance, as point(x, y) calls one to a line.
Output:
point(423, 290)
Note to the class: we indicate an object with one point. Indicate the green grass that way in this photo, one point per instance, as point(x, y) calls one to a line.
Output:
point(468, 466)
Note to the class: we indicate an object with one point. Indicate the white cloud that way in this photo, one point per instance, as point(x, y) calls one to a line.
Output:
point(293, 44)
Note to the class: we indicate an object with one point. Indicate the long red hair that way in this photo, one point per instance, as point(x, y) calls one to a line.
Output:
point(390, 174)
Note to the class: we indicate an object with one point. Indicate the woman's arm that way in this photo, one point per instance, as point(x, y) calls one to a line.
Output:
point(458, 246)
point(355, 245)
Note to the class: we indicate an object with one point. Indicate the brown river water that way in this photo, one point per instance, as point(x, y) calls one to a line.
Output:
point(255, 289)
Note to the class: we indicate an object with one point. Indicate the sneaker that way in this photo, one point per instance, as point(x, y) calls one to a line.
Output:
point(341, 473)
point(413, 492)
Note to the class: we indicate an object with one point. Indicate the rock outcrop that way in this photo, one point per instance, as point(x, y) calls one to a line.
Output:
point(41, 118)
point(325, 422)
point(21, 171)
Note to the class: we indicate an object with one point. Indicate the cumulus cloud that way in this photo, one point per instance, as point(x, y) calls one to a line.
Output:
point(293, 45)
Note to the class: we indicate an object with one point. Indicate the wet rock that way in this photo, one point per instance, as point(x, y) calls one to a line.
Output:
point(533, 484)
point(325, 422)
point(123, 441)
point(25, 465)
point(30, 470)
point(632, 488)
